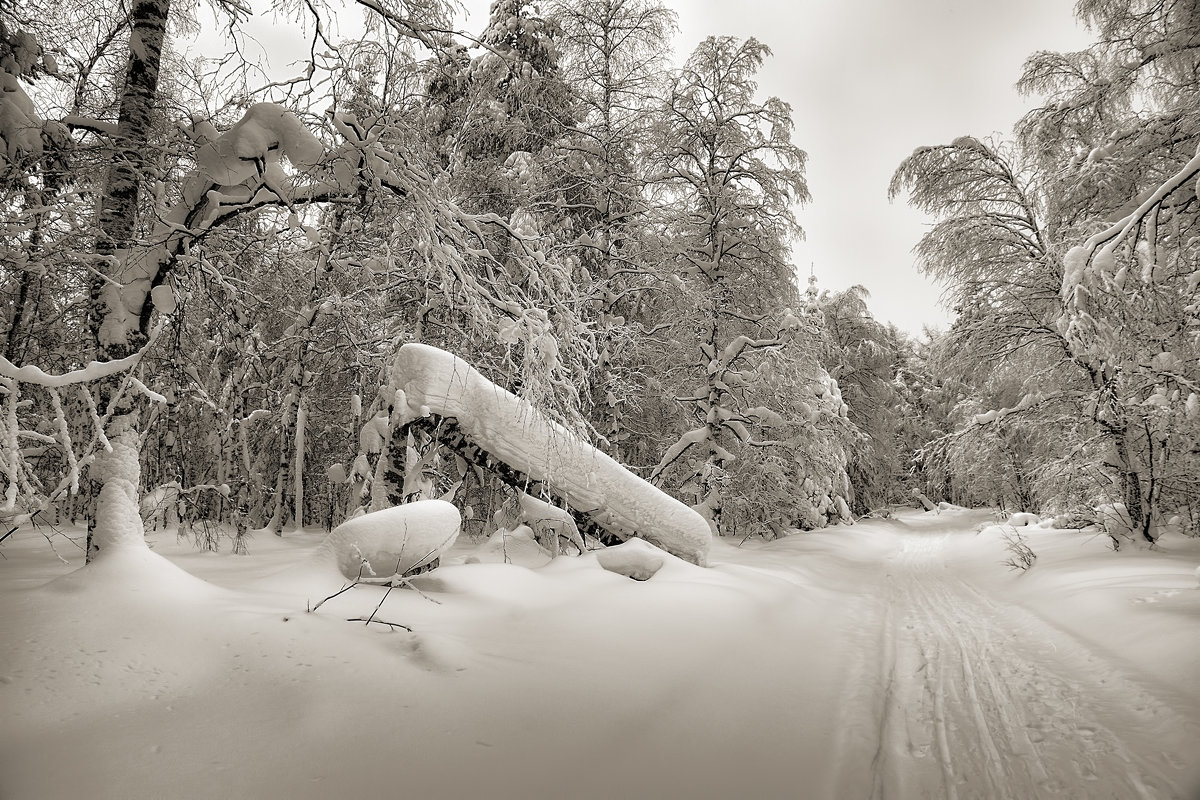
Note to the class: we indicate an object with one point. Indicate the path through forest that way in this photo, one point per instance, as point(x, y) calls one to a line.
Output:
point(983, 699)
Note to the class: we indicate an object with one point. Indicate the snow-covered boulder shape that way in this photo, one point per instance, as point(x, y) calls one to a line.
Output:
point(377, 547)
point(633, 559)
point(1023, 519)
point(429, 380)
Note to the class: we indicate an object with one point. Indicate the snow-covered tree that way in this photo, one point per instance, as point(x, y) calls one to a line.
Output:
point(861, 355)
point(614, 53)
point(1073, 246)
point(191, 202)
point(729, 175)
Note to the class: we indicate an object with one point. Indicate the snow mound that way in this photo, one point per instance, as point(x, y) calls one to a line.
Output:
point(1023, 520)
point(517, 546)
point(132, 576)
point(377, 547)
point(635, 559)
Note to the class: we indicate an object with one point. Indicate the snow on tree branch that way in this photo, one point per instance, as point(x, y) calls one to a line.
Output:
point(1096, 255)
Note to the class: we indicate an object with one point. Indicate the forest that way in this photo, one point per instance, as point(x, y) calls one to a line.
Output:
point(442, 413)
point(219, 273)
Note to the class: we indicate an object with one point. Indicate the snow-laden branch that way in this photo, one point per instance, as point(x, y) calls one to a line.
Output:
point(685, 442)
point(432, 381)
point(1097, 253)
point(93, 371)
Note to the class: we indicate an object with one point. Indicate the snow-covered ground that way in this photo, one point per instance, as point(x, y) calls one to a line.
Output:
point(896, 658)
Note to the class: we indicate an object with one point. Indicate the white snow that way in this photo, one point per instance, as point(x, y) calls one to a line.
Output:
point(633, 559)
point(897, 657)
point(265, 133)
point(163, 297)
point(516, 546)
point(118, 512)
point(381, 545)
point(549, 523)
point(160, 506)
point(433, 380)
point(20, 127)
point(93, 371)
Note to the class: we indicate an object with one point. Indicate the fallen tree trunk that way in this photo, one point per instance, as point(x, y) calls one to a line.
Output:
point(499, 431)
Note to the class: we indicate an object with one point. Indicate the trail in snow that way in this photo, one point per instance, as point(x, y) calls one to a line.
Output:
point(982, 699)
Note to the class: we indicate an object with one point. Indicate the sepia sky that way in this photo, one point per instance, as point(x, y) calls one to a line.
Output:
point(868, 81)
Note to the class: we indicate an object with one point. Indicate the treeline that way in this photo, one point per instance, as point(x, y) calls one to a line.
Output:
point(217, 273)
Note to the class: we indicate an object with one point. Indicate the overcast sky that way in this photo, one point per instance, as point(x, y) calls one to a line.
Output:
point(868, 81)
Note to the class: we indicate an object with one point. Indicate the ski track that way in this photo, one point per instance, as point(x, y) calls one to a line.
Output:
point(982, 699)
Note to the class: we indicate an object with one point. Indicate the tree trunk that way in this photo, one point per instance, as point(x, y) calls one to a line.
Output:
point(298, 476)
point(286, 440)
point(1131, 490)
point(117, 520)
point(115, 326)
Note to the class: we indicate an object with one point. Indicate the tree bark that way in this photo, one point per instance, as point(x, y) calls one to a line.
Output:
point(119, 202)
point(117, 520)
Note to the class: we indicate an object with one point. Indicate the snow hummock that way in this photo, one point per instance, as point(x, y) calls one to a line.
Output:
point(634, 559)
point(512, 430)
point(381, 545)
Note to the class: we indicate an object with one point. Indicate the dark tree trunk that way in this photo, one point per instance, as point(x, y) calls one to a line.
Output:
point(119, 203)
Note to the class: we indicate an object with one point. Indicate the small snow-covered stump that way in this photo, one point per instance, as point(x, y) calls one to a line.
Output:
point(924, 501)
point(636, 558)
point(397, 541)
